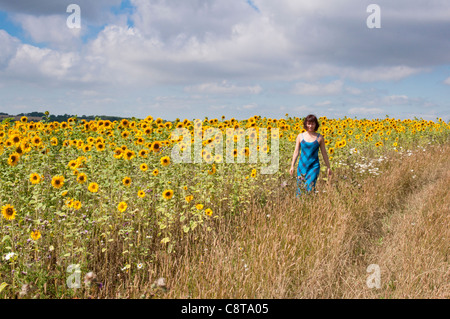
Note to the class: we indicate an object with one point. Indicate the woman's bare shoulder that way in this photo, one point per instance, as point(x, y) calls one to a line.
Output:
point(320, 138)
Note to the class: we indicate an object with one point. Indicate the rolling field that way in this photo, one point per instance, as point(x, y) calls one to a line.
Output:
point(105, 209)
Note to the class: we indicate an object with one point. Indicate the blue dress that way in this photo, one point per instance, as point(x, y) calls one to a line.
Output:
point(308, 166)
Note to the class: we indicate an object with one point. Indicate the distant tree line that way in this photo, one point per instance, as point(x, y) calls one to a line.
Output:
point(63, 118)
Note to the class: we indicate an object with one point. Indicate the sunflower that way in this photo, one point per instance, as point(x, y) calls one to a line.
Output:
point(139, 141)
point(86, 148)
point(35, 178)
point(124, 122)
point(143, 167)
point(165, 161)
point(100, 147)
point(76, 205)
point(143, 153)
point(8, 212)
point(93, 187)
point(331, 151)
point(213, 170)
point(141, 194)
point(126, 181)
point(16, 139)
point(69, 202)
point(208, 212)
point(218, 158)
point(199, 206)
point(13, 159)
point(253, 174)
point(73, 164)
point(81, 178)
point(122, 207)
point(118, 152)
point(54, 141)
point(189, 198)
point(129, 154)
point(156, 146)
point(58, 181)
point(36, 141)
point(155, 172)
point(208, 158)
point(168, 194)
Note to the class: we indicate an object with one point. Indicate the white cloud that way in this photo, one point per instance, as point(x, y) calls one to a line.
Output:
point(365, 111)
point(393, 73)
point(323, 103)
point(303, 109)
point(332, 88)
point(32, 63)
point(9, 47)
point(353, 90)
point(51, 29)
point(396, 100)
point(224, 88)
point(217, 107)
point(249, 106)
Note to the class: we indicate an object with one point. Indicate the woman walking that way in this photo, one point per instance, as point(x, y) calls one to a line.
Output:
point(309, 166)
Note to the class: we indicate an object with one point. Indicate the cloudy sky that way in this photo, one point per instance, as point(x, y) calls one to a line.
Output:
point(237, 58)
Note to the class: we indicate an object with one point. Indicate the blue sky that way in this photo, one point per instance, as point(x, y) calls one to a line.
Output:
point(191, 59)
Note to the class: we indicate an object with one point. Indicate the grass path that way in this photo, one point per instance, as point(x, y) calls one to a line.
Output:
point(411, 245)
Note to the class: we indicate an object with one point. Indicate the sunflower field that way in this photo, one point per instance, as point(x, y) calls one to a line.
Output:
point(96, 193)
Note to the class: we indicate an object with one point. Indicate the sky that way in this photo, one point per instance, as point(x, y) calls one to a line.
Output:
point(192, 59)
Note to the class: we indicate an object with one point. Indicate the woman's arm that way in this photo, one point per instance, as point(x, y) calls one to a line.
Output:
point(296, 152)
point(324, 154)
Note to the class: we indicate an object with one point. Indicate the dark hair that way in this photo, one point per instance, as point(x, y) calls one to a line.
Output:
point(311, 118)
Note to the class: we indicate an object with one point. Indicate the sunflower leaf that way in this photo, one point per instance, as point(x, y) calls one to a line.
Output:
point(3, 286)
point(7, 237)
